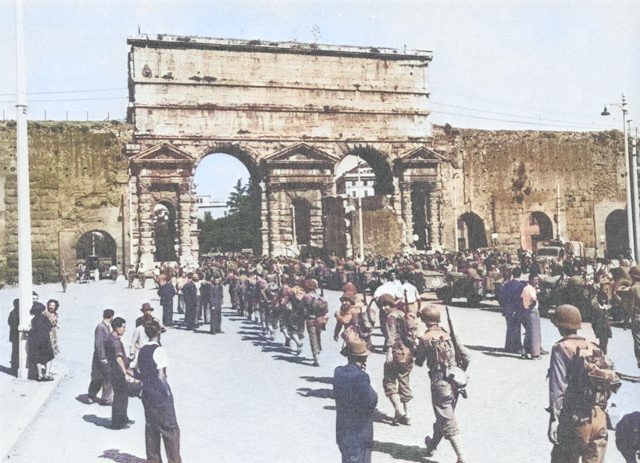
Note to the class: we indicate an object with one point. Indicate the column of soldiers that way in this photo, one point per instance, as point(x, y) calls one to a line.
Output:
point(284, 300)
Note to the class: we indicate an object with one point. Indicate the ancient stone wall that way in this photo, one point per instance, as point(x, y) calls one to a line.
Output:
point(79, 177)
point(77, 174)
point(507, 175)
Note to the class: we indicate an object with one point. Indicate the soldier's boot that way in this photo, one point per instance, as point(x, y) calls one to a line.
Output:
point(432, 442)
point(456, 443)
point(400, 414)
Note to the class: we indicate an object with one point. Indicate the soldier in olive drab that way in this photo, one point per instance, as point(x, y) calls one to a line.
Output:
point(436, 346)
point(578, 421)
point(634, 273)
point(399, 358)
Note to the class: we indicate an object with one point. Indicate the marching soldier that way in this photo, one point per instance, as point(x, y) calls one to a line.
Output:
point(448, 379)
point(581, 380)
point(399, 360)
point(634, 273)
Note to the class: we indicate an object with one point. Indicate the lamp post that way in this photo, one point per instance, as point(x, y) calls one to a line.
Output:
point(630, 204)
point(360, 227)
point(24, 203)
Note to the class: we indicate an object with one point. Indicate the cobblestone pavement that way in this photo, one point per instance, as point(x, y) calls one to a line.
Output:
point(242, 398)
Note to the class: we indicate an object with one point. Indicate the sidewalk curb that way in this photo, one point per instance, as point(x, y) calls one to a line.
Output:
point(22, 401)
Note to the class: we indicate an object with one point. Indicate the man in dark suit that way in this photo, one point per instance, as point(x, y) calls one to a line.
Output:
point(166, 291)
point(355, 402)
point(190, 295)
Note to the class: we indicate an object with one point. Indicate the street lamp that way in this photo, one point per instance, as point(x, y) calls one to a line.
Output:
point(631, 205)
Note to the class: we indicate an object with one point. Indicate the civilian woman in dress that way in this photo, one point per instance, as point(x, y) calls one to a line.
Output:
point(52, 314)
point(39, 342)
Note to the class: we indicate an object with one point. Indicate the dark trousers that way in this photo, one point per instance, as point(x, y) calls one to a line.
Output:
point(190, 313)
point(15, 347)
point(167, 314)
point(161, 422)
point(513, 341)
point(119, 415)
point(216, 319)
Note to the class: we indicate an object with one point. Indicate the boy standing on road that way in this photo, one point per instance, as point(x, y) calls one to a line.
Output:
point(157, 400)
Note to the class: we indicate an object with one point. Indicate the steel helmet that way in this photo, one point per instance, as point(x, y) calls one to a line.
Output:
point(634, 272)
point(430, 314)
point(567, 316)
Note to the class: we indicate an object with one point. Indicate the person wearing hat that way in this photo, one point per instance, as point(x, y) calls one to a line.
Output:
point(437, 347)
point(577, 429)
point(355, 403)
point(139, 338)
point(399, 358)
point(351, 318)
point(634, 273)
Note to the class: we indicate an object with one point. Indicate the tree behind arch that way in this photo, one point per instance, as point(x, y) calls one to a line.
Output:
point(239, 229)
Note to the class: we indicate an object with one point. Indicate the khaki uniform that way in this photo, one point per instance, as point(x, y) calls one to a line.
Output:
point(399, 363)
point(586, 437)
point(635, 319)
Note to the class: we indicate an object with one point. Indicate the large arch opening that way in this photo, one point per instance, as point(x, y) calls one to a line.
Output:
point(472, 234)
point(383, 177)
point(228, 193)
point(617, 234)
point(97, 250)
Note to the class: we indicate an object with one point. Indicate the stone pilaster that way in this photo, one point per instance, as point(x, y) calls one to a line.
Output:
point(435, 230)
point(264, 219)
point(406, 213)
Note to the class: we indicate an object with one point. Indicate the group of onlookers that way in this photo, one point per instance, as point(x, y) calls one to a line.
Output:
point(42, 338)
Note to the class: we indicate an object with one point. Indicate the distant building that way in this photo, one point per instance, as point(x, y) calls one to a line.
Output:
point(206, 204)
point(348, 182)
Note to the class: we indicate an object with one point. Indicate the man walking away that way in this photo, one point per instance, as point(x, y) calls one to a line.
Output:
point(581, 380)
point(448, 380)
point(157, 400)
point(355, 402)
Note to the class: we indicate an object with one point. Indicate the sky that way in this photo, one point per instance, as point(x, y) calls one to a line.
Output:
point(497, 64)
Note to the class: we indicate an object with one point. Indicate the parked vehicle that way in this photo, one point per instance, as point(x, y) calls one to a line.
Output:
point(459, 285)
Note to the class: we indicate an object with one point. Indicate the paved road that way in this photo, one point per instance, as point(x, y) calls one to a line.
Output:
point(242, 398)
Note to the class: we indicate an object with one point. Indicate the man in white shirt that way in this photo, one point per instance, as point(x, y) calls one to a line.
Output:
point(157, 399)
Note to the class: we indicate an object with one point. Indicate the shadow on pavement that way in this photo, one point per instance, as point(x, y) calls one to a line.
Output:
point(98, 421)
point(319, 393)
point(399, 451)
point(7, 370)
point(298, 360)
point(493, 351)
point(119, 457)
point(316, 379)
point(379, 417)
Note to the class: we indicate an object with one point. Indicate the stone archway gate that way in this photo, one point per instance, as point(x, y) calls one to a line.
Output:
point(290, 112)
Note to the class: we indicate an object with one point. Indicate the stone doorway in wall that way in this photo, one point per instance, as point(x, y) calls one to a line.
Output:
point(617, 235)
point(97, 250)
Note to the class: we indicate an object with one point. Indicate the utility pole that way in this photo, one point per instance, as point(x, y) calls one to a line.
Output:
point(24, 203)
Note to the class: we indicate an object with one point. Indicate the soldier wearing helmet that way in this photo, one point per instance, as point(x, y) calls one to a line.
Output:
point(573, 436)
point(634, 273)
point(436, 346)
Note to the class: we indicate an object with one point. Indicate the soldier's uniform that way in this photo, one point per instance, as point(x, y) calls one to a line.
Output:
point(437, 348)
point(578, 393)
point(575, 439)
point(399, 361)
point(634, 272)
